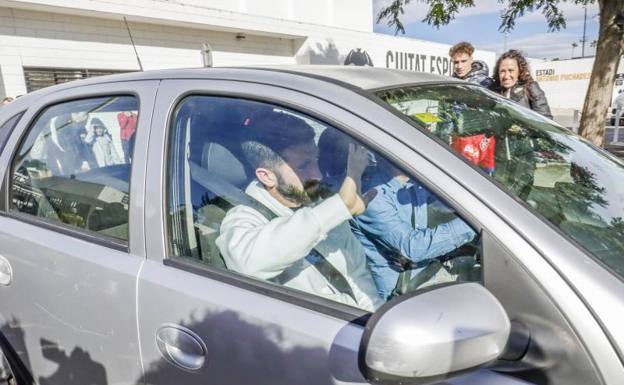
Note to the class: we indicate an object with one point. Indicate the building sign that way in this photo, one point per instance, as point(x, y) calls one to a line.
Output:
point(410, 61)
point(383, 51)
point(549, 75)
point(358, 57)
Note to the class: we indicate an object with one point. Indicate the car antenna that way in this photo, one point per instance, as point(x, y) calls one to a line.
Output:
point(133, 46)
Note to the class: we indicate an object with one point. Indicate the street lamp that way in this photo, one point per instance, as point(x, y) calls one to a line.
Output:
point(584, 32)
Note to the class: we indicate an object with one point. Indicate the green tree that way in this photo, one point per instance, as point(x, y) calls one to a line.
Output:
point(609, 48)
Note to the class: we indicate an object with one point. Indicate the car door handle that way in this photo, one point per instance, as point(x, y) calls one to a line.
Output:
point(6, 272)
point(181, 347)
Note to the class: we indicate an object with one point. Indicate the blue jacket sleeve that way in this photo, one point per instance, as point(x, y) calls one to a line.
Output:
point(382, 224)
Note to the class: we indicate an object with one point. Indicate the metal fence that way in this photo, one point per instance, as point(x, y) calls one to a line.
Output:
point(40, 77)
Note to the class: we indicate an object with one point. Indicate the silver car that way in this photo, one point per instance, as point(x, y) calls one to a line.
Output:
point(125, 259)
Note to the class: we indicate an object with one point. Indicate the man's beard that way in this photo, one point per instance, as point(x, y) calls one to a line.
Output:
point(312, 191)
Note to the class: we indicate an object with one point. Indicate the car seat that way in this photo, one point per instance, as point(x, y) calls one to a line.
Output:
point(221, 175)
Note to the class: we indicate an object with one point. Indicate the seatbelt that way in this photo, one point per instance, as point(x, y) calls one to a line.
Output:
point(405, 282)
point(405, 276)
point(234, 196)
point(315, 258)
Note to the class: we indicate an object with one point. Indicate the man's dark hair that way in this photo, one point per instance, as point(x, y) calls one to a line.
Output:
point(96, 122)
point(333, 152)
point(272, 135)
point(461, 47)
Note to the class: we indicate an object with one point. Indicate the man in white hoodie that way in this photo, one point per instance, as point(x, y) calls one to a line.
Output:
point(304, 243)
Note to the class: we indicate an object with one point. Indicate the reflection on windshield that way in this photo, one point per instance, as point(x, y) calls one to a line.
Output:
point(575, 186)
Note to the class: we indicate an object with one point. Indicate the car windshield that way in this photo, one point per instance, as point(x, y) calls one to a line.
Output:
point(574, 185)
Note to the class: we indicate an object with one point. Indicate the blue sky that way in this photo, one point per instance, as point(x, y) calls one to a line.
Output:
point(479, 25)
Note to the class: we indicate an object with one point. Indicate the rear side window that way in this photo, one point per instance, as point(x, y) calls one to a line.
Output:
point(73, 167)
point(7, 128)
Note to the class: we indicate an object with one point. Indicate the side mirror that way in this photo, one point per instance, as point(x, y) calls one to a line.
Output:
point(427, 336)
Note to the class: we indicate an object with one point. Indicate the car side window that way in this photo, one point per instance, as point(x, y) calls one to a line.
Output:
point(276, 195)
point(73, 167)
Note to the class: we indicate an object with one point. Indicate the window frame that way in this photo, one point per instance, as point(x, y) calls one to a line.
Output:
point(61, 228)
point(293, 296)
point(4, 139)
point(3, 143)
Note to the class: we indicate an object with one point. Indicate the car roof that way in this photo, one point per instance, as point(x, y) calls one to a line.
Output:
point(365, 78)
point(358, 78)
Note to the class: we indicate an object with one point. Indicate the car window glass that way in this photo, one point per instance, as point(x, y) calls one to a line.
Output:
point(572, 184)
point(256, 189)
point(73, 167)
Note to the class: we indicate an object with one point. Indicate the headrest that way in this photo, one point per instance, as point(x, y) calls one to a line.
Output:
point(221, 163)
point(333, 152)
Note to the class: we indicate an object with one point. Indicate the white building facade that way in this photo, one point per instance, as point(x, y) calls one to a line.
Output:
point(44, 42)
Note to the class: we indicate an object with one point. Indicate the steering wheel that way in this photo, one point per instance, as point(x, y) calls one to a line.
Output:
point(462, 263)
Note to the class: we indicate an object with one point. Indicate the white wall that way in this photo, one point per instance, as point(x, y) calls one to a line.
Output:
point(41, 39)
point(36, 38)
point(243, 15)
point(348, 14)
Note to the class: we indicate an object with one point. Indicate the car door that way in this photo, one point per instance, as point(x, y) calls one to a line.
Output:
point(200, 322)
point(71, 234)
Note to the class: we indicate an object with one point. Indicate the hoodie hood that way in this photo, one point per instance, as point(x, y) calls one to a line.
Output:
point(479, 68)
point(479, 74)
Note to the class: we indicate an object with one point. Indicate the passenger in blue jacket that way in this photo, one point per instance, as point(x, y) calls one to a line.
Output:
point(396, 220)
point(396, 223)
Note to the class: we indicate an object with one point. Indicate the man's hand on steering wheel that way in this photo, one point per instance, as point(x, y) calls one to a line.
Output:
point(471, 248)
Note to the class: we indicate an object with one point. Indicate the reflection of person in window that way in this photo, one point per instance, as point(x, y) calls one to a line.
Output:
point(127, 127)
point(285, 158)
point(63, 147)
point(102, 144)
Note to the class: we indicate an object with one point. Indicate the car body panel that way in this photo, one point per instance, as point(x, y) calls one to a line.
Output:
point(281, 328)
point(71, 305)
point(446, 186)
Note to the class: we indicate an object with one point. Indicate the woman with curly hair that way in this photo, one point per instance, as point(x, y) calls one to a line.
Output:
point(513, 80)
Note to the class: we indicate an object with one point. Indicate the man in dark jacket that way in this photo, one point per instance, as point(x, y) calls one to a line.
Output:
point(465, 68)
